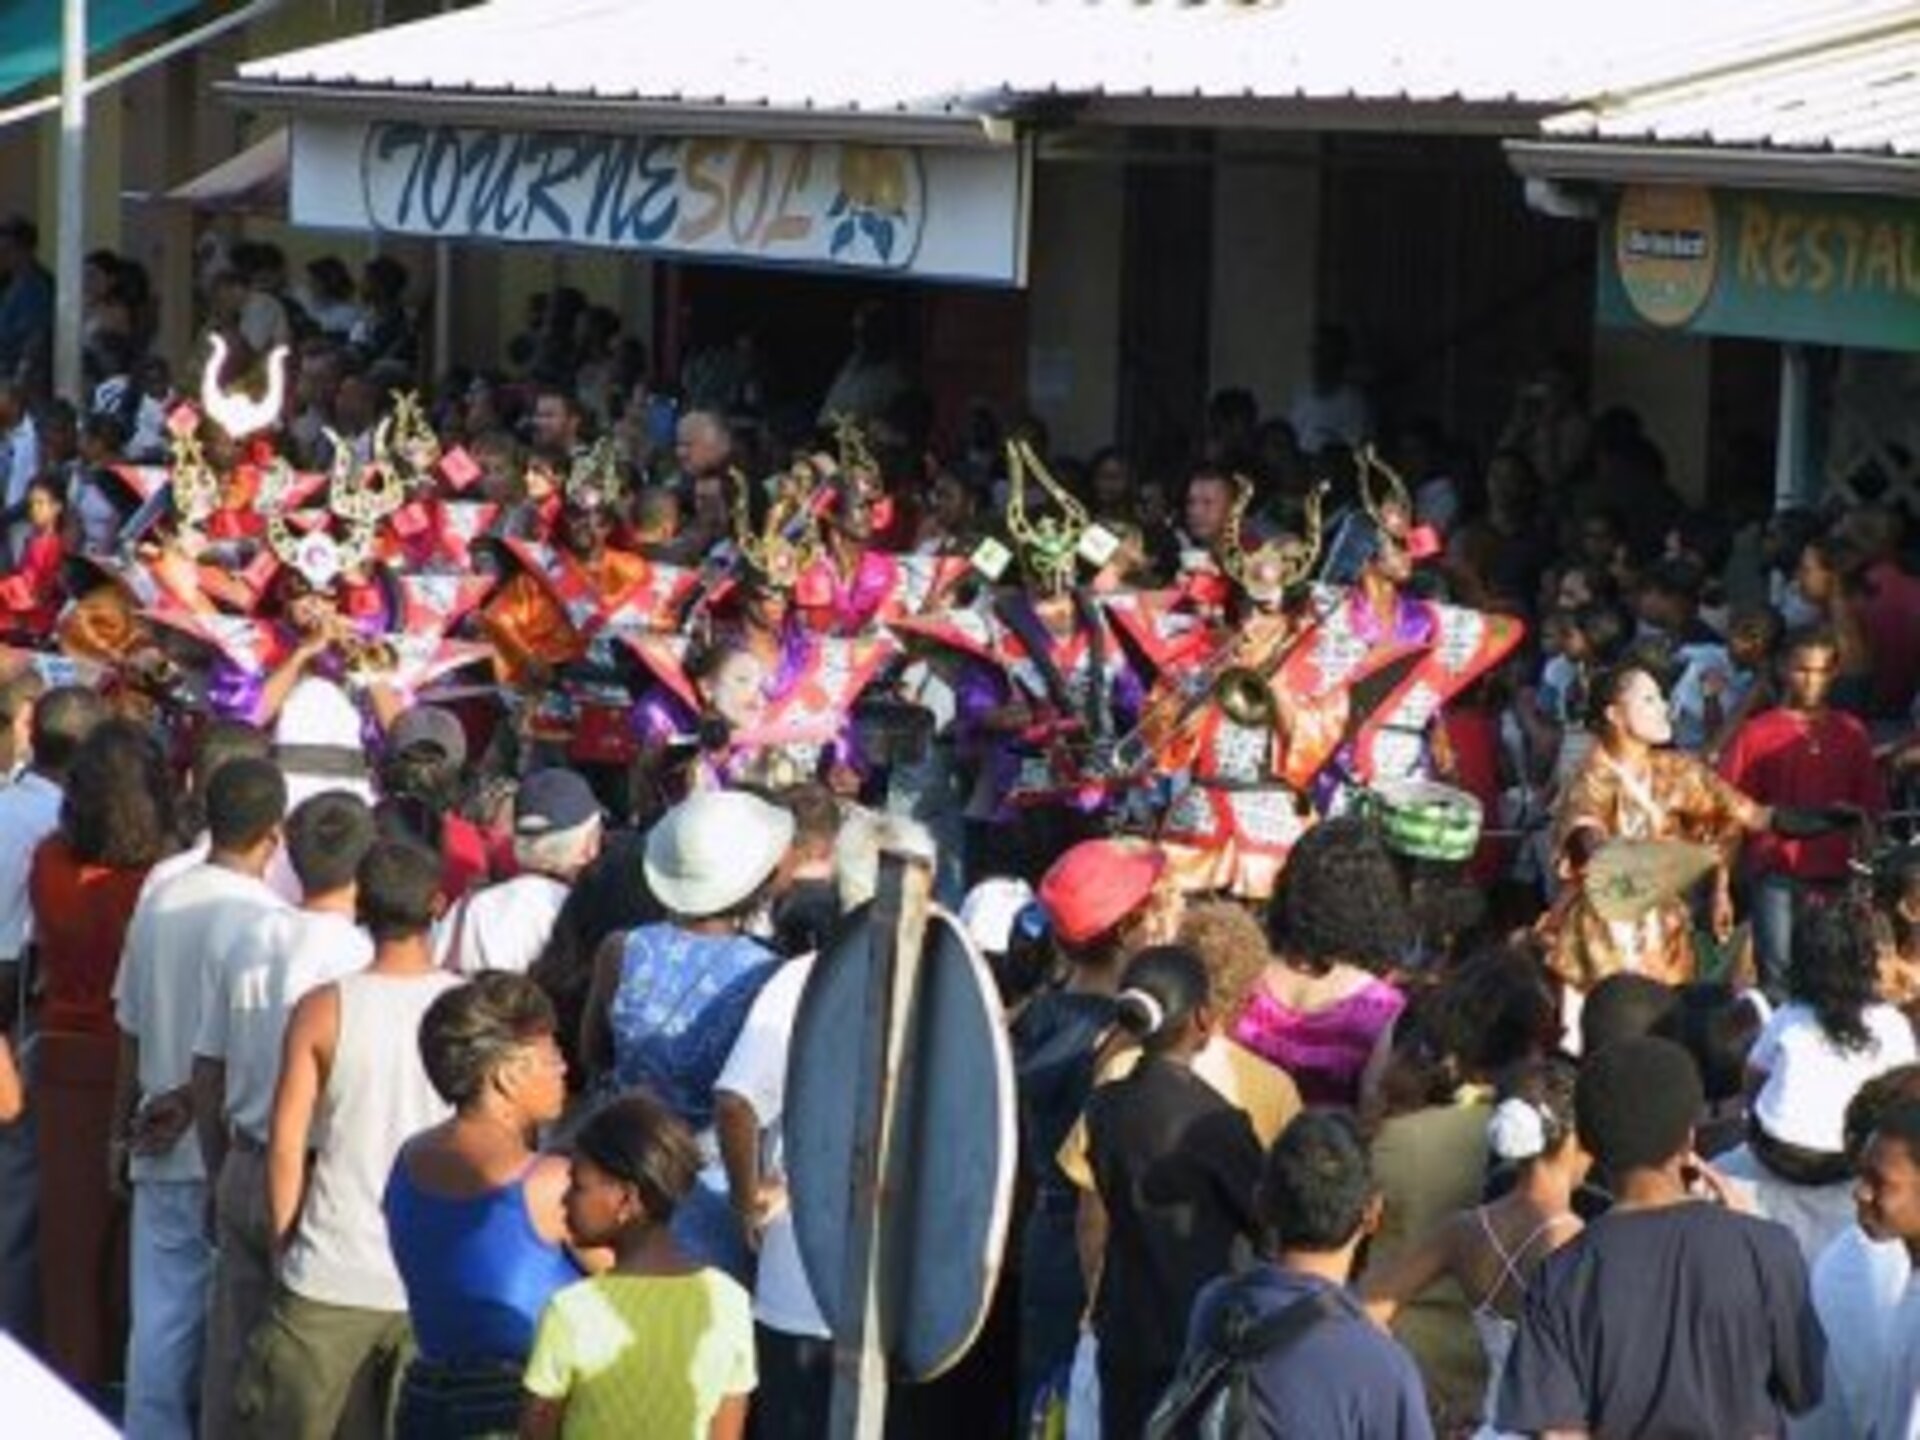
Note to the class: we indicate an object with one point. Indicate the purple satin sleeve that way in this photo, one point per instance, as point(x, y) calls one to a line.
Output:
point(233, 693)
point(660, 717)
point(978, 691)
point(1129, 698)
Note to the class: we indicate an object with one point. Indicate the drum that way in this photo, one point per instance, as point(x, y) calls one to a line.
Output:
point(1425, 820)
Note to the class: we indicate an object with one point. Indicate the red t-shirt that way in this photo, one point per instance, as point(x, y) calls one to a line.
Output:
point(1784, 757)
point(1890, 616)
point(1475, 736)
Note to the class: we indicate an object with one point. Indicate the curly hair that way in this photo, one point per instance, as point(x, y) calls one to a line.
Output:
point(1834, 970)
point(118, 808)
point(1340, 899)
point(1235, 950)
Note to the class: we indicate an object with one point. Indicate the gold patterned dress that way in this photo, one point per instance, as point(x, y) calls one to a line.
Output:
point(1675, 797)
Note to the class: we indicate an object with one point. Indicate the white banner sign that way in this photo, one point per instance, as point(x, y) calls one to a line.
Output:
point(928, 212)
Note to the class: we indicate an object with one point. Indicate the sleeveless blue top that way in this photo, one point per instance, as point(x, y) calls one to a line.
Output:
point(477, 1273)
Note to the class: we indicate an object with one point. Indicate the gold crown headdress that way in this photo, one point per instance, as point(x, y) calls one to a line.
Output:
point(1274, 567)
point(855, 454)
point(414, 441)
point(1391, 494)
point(359, 497)
point(195, 486)
point(1049, 546)
point(595, 481)
point(787, 540)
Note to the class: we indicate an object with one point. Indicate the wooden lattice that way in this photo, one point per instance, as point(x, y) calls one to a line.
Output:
point(1873, 430)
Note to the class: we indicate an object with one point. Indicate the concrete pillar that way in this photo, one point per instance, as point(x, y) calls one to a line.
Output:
point(1266, 242)
point(1073, 350)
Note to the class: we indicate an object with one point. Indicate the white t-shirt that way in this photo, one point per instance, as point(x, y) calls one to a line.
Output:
point(501, 927)
point(756, 1071)
point(191, 858)
point(1897, 1414)
point(29, 812)
point(192, 921)
point(247, 995)
point(1856, 1284)
point(1810, 1080)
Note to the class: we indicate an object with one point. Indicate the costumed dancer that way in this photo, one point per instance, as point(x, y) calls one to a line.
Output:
point(556, 615)
point(852, 586)
point(1246, 746)
point(1399, 657)
point(1632, 787)
point(1046, 687)
point(760, 698)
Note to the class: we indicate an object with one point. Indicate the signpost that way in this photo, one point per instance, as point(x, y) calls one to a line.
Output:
point(900, 1144)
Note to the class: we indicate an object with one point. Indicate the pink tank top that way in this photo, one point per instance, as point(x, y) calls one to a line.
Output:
point(1324, 1050)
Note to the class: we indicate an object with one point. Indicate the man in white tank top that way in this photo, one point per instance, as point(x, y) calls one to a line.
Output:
point(352, 1089)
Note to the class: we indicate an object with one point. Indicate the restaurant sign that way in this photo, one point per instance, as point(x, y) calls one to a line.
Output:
point(1827, 269)
point(881, 209)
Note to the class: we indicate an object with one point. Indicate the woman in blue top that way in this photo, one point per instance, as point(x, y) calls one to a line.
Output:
point(474, 1212)
point(669, 999)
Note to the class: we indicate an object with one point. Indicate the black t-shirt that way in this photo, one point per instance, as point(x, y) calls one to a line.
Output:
point(1176, 1166)
point(1685, 1321)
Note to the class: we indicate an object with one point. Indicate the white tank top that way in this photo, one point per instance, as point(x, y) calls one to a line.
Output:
point(377, 1096)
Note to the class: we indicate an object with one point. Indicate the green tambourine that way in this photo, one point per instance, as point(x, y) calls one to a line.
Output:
point(1425, 820)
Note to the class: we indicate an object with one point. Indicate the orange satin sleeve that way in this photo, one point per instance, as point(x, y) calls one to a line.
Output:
point(1314, 731)
point(527, 626)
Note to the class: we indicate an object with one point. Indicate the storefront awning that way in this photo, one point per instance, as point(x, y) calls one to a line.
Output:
point(958, 71)
point(1842, 114)
point(30, 34)
point(253, 182)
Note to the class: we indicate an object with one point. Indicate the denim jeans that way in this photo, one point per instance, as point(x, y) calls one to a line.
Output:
point(19, 1223)
point(474, 1400)
point(172, 1267)
point(1774, 897)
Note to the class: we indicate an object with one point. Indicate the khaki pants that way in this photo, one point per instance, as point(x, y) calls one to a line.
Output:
point(321, 1372)
point(242, 1291)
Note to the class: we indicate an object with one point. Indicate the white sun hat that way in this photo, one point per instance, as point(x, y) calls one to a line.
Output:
point(714, 850)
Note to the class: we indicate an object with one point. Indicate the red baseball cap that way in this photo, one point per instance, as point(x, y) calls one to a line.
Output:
point(1096, 885)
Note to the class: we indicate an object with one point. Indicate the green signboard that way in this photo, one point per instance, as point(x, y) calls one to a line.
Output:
point(1827, 269)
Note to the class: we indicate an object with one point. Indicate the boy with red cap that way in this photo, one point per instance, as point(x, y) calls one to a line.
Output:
point(1104, 900)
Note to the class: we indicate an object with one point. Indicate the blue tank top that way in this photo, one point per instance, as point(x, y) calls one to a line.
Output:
point(477, 1272)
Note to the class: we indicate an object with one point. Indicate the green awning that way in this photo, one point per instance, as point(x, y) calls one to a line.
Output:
point(30, 33)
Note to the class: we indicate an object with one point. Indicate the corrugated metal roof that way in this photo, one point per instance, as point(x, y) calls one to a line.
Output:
point(1856, 97)
point(961, 57)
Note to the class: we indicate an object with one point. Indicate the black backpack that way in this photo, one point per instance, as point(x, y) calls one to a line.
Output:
point(1211, 1397)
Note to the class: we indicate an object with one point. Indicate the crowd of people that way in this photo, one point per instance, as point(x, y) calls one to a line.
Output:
point(1454, 922)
